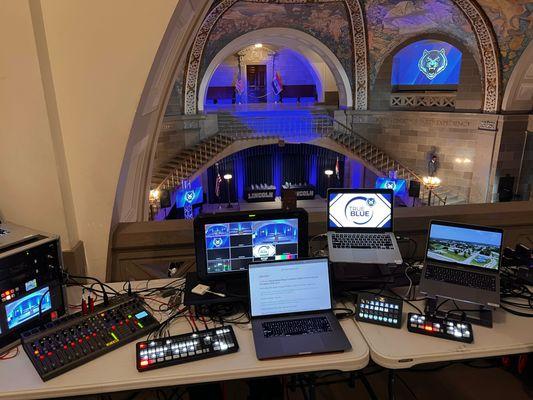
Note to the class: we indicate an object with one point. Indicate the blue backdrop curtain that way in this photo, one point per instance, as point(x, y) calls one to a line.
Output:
point(226, 166)
point(274, 164)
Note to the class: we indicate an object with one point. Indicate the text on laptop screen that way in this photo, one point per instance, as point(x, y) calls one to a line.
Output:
point(289, 287)
point(467, 246)
point(232, 246)
point(360, 210)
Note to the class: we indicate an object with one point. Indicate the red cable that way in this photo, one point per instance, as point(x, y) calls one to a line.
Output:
point(192, 320)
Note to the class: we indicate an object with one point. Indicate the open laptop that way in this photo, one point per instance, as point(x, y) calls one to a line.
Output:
point(463, 263)
point(360, 226)
point(291, 309)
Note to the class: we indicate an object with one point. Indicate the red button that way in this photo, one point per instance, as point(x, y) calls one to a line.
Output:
point(87, 337)
point(80, 340)
point(72, 344)
point(94, 334)
point(144, 363)
point(142, 345)
point(41, 357)
point(113, 327)
point(49, 353)
point(65, 347)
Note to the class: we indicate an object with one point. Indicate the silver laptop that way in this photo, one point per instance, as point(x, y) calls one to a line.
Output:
point(463, 263)
point(291, 309)
point(360, 226)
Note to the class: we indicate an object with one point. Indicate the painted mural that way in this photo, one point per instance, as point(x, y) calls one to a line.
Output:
point(327, 22)
point(391, 22)
point(513, 24)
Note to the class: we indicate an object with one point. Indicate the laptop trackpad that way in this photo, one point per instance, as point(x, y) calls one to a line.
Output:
point(303, 344)
point(365, 255)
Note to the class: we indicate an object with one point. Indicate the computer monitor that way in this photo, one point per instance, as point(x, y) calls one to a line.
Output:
point(226, 243)
point(469, 245)
point(364, 210)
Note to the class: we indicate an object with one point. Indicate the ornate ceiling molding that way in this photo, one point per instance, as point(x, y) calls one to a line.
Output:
point(488, 48)
point(360, 47)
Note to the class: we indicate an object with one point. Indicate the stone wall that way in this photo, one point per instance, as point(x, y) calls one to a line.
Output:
point(410, 137)
point(515, 155)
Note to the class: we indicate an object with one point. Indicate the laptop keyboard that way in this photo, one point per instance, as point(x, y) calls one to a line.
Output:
point(295, 327)
point(460, 277)
point(363, 241)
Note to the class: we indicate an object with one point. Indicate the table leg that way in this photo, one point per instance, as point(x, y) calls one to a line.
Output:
point(392, 379)
point(367, 386)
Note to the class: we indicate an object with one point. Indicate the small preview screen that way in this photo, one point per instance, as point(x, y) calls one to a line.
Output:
point(467, 246)
point(360, 210)
point(27, 307)
point(232, 246)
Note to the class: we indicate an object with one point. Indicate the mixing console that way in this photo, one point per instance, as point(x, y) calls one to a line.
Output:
point(73, 340)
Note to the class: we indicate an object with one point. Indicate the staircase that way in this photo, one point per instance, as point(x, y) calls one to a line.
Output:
point(293, 127)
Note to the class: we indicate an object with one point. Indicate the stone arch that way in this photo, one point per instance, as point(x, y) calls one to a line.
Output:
point(488, 49)
point(291, 38)
point(358, 38)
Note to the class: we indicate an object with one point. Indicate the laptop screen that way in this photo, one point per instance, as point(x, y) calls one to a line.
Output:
point(359, 210)
point(283, 287)
point(471, 246)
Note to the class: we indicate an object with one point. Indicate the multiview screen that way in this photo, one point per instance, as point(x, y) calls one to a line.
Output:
point(467, 246)
point(360, 210)
point(27, 307)
point(426, 63)
point(232, 246)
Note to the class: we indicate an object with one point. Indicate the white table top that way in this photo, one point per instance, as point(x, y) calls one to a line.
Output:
point(398, 348)
point(116, 370)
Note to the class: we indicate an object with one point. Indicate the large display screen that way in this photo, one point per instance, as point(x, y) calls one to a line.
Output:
point(360, 210)
point(289, 287)
point(232, 246)
point(27, 307)
point(467, 246)
point(426, 63)
point(189, 196)
point(399, 186)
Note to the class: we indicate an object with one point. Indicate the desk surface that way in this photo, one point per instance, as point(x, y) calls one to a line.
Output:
point(116, 370)
point(398, 348)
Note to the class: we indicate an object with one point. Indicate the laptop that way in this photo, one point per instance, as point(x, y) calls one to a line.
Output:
point(463, 263)
point(360, 226)
point(291, 309)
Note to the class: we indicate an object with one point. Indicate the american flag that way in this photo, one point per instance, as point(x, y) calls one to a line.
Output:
point(218, 182)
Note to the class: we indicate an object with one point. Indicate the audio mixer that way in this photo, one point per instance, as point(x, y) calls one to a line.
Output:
point(75, 339)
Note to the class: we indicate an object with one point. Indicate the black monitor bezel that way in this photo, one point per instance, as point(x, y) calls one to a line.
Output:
point(360, 230)
point(468, 226)
point(257, 215)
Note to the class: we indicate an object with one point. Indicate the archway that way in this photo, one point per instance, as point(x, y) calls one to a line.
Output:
point(358, 39)
point(296, 40)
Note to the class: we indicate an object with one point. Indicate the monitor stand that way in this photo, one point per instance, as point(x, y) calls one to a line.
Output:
point(235, 290)
point(354, 276)
point(477, 316)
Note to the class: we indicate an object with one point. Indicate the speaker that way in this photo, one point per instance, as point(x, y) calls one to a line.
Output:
point(505, 188)
point(414, 189)
point(164, 199)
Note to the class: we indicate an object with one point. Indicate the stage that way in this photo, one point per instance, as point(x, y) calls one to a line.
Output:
point(316, 205)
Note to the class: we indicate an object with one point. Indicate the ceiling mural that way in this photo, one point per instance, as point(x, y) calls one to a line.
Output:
point(513, 24)
point(391, 22)
point(328, 22)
